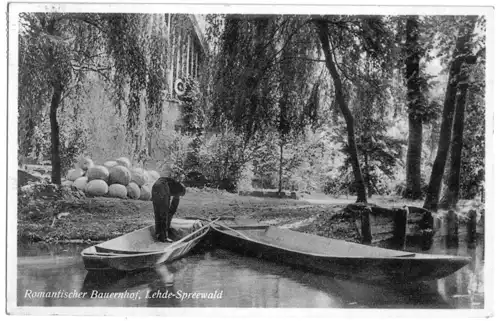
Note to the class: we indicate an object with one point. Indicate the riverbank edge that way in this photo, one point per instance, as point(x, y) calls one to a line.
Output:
point(98, 219)
point(95, 220)
point(25, 237)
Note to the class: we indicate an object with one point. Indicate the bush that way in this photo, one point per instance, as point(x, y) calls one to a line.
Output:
point(81, 183)
point(133, 191)
point(224, 184)
point(73, 137)
point(173, 148)
point(98, 172)
point(195, 179)
point(400, 189)
point(119, 175)
point(192, 110)
point(246, 177)
point(221, 157)
point(117, 190)
point(97, 187)
point(339, 185)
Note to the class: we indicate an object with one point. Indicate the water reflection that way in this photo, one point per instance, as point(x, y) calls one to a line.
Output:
point(243, 282)
point(465, 287)
point(161, 292)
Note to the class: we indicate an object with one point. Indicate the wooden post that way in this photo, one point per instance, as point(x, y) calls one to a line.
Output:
point(425, 222)
point(451, 229)
point(471, 227)
point(437, 224)
point(400, 223)
point(366, 231)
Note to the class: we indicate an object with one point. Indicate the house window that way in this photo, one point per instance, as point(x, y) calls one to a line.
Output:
point(191, 69)
point(196, 65)
point(185, 50)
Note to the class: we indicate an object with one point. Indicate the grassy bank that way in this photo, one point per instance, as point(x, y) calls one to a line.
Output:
point(102, 218)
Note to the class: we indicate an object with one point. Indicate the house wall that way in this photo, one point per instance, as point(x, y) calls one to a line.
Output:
point(186, 59)
point(108, 129)
point(188, 48)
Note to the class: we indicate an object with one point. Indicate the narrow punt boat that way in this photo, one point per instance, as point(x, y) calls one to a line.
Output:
point(140, 250)
point(331, 256)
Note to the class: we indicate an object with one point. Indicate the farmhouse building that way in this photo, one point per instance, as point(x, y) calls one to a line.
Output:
point(186, 60)
point(188, 50)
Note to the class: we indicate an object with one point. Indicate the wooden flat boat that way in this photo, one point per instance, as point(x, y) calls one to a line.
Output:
point(140, 250)
point(333, 257)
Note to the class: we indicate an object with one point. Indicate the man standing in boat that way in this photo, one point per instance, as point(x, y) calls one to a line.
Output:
point(163, 189)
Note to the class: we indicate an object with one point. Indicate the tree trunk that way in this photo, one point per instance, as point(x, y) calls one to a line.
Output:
point(452, 190)
point(368, 180)
point(413, 158)
point(150, 143)
point(54, 135)
point(461, 49)
point(280, 183)
point(57, 86)
point(414, 98)
point(322, 27)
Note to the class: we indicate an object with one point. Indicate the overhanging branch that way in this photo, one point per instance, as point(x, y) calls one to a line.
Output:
point(80, 17)
point(302, 58)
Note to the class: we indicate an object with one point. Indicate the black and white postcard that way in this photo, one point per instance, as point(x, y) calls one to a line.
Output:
point(172, 157)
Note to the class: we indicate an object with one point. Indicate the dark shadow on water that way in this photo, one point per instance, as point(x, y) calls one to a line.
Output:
point(351, 292)
point(97, 280)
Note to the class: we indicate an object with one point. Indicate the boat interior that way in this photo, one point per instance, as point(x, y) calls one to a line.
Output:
point(144, 240)
point(310, 244)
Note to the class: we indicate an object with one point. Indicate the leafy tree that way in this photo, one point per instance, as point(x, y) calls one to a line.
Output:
point(323, 34)
point(354, 40)
point(138, 47)
point(56, 51)
point(472, 172)
point(415, 109)
point(452, 190)
point(258, 71)
point(192, 113)
point(294, 111)
point(464, 36)
point(261, 80)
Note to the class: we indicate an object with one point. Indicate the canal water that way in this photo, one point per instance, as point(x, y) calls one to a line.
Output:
point(223, 279)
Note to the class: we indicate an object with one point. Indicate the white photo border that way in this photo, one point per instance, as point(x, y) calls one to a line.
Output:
point(268, 8)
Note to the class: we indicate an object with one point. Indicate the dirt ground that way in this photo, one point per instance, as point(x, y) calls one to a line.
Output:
point(101, 218)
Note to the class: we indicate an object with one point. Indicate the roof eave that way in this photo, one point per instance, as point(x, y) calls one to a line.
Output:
point(199, 33)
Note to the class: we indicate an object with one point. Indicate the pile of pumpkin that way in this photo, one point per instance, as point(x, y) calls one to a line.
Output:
point(114, 178)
